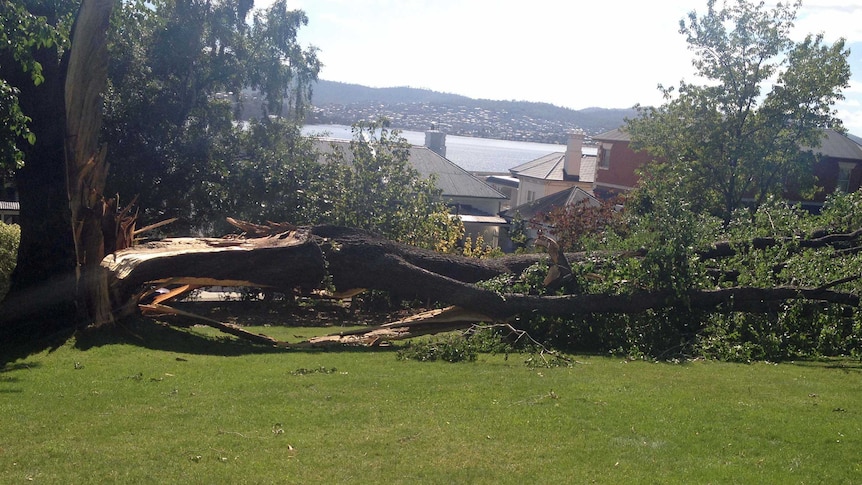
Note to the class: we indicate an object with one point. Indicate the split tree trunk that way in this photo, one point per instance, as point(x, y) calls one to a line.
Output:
point(350, 258)
point(86, 168)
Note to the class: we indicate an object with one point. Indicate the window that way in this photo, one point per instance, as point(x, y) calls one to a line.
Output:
point(844, 170)
point(531, 196)
point(604, 156)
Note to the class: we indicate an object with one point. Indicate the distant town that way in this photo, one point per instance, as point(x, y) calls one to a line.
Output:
point(421, 109)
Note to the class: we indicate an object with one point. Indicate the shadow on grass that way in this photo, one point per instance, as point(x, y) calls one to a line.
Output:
point(846, 364)
point(6, 379)
point(16, 349)
point(17, 366)
point(154, 335)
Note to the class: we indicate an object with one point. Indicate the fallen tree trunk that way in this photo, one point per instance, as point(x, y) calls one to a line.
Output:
point(311, 257)
point(726, 249)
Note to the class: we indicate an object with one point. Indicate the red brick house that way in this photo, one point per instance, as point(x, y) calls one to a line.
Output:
point(616, 163)
point(839, 166)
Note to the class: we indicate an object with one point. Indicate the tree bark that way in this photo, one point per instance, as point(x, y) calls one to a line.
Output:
point(43, 284)
point(350, 258)
point(58, 282)
point(85, 159)
point(726, 249)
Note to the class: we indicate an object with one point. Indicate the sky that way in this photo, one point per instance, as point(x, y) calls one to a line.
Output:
point(576, 54)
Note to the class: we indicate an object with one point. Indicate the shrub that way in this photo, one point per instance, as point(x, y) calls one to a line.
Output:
point(10, 236)
point(669, 234)
point(450, 348)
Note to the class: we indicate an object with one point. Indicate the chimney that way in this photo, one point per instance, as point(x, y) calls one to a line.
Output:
point(436, 141)
point(574, 147)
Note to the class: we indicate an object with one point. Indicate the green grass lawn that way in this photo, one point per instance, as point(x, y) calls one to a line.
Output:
point(171, 409)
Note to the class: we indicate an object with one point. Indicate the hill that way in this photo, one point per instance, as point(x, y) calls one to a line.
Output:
point(420, 109)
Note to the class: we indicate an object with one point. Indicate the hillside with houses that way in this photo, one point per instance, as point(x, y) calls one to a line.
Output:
point(420, 109)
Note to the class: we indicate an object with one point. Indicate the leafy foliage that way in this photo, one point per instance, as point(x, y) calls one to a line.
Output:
point(23, 33)
point(731, 139)
point(451, 348)
point(517, 231)
point(795, 329)
point(494, 339)
point(279, 175)
point(173, 103)
point(478, 249)
point(575, 227)
point(377, 189)
point(661, 251)
point(10, 236)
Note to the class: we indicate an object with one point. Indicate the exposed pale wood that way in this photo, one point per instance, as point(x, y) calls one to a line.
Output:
point(425, 323)
point(356, 259)
point(260, 230)
point(86, 164)
point(309, 257)
point(170, 295)
point(560, 271)
point(154, 226)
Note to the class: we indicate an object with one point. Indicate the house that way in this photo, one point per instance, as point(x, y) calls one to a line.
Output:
point(9, 211)
point(469, 198)
point(839, 166)
point(555, 172)
point(9, 206)
point(616, 163)
point(534, 211)
point(506, 185)
point(553, 180)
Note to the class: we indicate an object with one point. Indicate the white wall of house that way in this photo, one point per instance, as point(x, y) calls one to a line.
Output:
point(531, 189)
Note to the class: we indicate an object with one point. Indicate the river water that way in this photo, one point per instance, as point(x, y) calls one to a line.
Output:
point(472, 154)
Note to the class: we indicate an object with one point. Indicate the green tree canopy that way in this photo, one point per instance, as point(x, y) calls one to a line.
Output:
point(24, 33)
point(741, 134)
point(177, 70)
point(378, 189)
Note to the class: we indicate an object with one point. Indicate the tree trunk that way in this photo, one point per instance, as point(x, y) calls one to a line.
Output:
point(61, 185)
point(41, 297)
point(351, 258)
point(85, 159)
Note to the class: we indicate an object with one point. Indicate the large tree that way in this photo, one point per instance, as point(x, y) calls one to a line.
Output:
point(742, 134)
point(176, 80)
point(177, 70)
point(33, 63)
point(23, 34)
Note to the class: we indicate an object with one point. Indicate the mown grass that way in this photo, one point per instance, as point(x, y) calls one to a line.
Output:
point(171, 409)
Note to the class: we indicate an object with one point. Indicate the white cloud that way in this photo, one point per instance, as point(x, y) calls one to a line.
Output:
point(578, 54)
point(833, 19)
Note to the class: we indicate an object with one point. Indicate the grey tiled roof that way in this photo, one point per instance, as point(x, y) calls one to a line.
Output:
point(617, 134)
point(551, 167)
point(588, 168)
point(452, 180)
point(833, 144)
point(836, 145)
point(545, 204)
point(548, 167)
